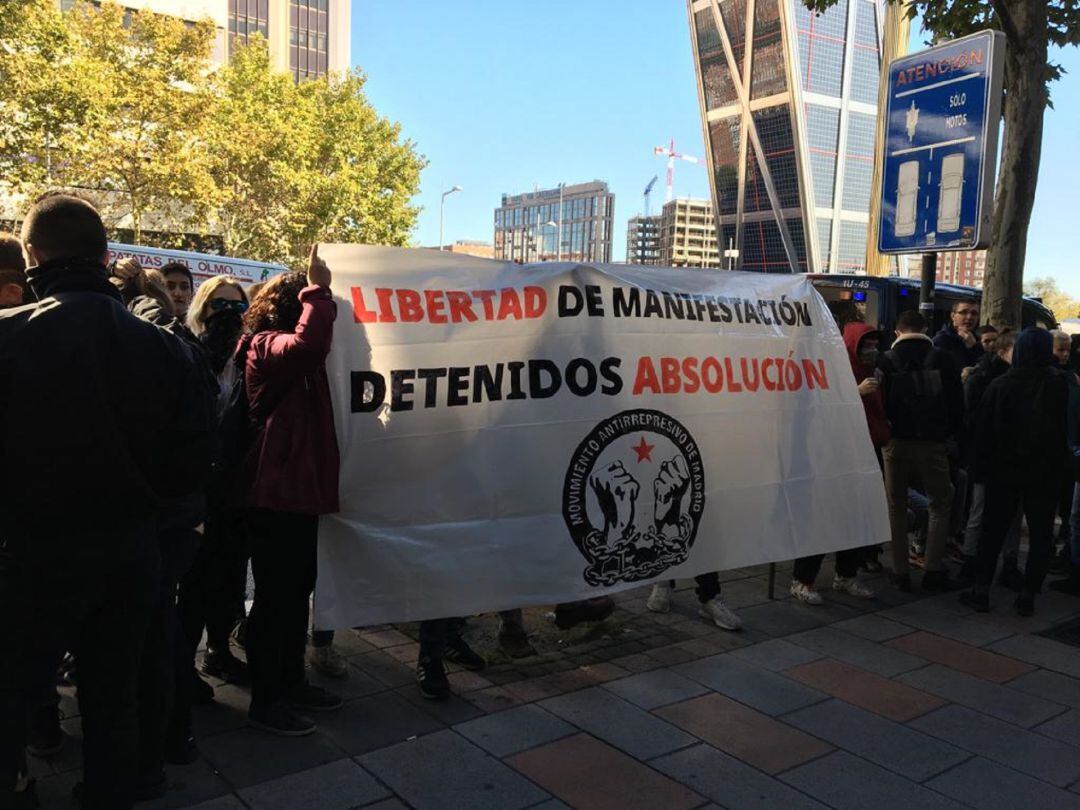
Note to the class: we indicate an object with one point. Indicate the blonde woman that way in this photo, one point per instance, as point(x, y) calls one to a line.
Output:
point(212, 594)
point(216, 296)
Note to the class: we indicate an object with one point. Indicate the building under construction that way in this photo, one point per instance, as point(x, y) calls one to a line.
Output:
point(682, 235)
point(643, 240)
point(688, 234)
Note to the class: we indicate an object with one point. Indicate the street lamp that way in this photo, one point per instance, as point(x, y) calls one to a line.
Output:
point(442, 204)
point(537, 233)
point(558, 238)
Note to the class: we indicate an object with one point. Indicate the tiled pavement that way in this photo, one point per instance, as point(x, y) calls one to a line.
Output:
point(900, 702)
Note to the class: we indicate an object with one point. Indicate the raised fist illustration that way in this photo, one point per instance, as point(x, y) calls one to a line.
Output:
point(669, 487)
point(616, 490)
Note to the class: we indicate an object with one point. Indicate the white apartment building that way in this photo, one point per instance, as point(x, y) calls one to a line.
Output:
point(306, 37)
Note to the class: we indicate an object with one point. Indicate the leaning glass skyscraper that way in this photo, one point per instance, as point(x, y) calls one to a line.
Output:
point(789, 105)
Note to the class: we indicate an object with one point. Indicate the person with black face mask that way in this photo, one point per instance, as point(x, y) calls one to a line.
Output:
point(215, 318)
point(212, 594)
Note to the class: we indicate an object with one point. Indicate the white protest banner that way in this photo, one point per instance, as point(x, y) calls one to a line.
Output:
point(518, 435)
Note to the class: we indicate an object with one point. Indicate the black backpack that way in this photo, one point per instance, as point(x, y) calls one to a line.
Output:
point(916, 399)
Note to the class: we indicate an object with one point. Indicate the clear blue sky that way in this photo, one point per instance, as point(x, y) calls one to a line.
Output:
point(500, 96)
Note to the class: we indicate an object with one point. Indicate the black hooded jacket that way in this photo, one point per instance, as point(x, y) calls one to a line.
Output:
point(988, 369)
point(1021, 430)
point(103, 413)
point(948, 340)
point(943, 417)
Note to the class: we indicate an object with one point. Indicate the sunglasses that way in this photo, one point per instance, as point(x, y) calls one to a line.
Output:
point(226, 305)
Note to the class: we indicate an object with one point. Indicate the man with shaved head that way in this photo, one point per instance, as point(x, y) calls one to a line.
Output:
point(110, 424)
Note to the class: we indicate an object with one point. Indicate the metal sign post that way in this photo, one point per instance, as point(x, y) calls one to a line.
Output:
point(731, 254)
point(927, 279)
point(941, 131)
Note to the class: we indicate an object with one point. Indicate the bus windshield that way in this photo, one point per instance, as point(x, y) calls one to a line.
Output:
point(849, 304)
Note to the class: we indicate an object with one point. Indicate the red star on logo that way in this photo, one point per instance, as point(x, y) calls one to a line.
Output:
point(643, 451)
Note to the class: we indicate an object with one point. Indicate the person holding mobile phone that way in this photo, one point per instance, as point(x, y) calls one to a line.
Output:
point(289, 478)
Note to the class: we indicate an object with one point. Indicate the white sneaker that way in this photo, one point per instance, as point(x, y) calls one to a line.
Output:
point(659, 600)
point(720, 614)
point(852, 587)
point(806, 594)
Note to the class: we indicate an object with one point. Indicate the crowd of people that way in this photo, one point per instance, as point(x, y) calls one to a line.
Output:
point(979, 430)
point(162, 438)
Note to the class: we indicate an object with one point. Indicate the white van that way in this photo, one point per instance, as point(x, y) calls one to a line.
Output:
point(950, 193)
point(202, 265)
point(907, 196)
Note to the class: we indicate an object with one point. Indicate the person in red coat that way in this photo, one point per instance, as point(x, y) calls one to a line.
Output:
point(291, 477)
point(862, 345)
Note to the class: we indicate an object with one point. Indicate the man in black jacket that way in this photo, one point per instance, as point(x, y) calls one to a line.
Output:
point(1022, 457)
point(924, 401)
point(958, 337)
point(991, 365)
point(111, 421)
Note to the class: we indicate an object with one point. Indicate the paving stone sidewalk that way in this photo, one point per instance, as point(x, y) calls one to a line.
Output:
point(898, 702)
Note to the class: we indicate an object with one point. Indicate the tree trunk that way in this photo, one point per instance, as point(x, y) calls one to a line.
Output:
point(1025, 104)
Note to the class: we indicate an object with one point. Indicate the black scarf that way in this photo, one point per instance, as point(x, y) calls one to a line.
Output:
point(70, 275)
point(222, 332)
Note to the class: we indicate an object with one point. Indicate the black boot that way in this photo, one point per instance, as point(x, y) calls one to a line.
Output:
point(979, 600)
point(1025, 604)
point(1059, 563)
point(1069, 585)
point(220, 663)
point(966, 577)
point(902, 582)
point(571, 614)
point(1010, 576)
point(937, 582)
point(25, 795)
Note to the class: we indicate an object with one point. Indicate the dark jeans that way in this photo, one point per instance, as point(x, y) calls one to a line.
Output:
point(212, 591)
point(847, 565)
point(322, 638)
point(283, 562)
point(1039, 506)
point(436, 634)
point(708, 587)
point(1064, 511)
point(164, 687)
point(92, 595)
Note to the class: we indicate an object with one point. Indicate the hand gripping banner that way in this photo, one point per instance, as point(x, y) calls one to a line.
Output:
point(518, 435)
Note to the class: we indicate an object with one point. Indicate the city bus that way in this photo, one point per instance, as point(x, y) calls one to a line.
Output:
point(877, 300)
point(202, 265)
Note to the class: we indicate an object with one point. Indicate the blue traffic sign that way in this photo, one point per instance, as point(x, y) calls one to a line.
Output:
point(941, 132)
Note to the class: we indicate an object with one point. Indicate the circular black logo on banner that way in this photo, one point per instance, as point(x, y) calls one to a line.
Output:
point(634, 496)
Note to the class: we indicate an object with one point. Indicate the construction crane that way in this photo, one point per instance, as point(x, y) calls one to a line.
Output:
point(671, 154)
point(648, 191)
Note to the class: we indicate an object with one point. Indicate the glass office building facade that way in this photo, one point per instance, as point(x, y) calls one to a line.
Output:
point(789, 106)
point(529, 227)
point(309, 38)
